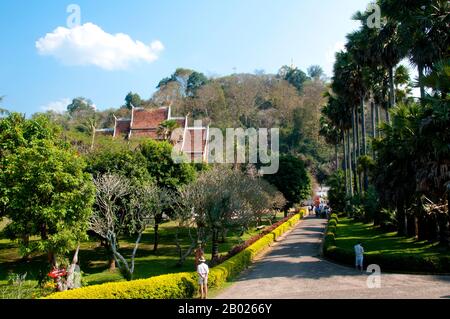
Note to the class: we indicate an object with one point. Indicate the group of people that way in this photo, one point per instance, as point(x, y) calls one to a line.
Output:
point(321, 210)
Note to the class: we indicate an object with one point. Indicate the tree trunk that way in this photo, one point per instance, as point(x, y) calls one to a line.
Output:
point(93, 138)
point(349, 165)
point(391, 93)
point(411, 226)
point(358, 145)
point(50, 254)
point(422, 87)
point(401, 219)
point(355, 185)
point(158, 220)
point(345, 164)
point(443, 229)
point(378, 119)
point(183, 256)
point(336, 155)
point(416, 227)
point(374, 127)
point(215, 245)
point(364, 142)
point(26, 243)
point(363, 127)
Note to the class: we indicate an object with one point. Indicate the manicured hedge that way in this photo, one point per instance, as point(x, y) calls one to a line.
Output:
point(238, 248)
point(180, 285)
point(388, 262)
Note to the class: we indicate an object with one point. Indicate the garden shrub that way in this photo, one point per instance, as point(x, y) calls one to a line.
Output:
point(180, 285)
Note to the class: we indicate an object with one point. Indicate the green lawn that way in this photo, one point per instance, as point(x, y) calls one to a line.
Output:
point(375, 241)
point(94, 260)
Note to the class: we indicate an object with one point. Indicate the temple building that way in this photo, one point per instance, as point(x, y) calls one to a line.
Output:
point(144, 122)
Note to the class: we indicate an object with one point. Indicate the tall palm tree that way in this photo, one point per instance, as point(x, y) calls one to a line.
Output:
point(423, 28)
point(389, 46)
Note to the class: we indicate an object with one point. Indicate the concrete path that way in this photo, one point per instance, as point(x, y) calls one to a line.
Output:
point(293, 269)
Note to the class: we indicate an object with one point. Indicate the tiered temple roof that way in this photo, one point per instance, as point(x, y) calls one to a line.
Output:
point(144, 122)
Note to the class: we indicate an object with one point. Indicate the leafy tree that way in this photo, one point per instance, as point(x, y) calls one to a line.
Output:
point(294, 76)
point(292, 179)
point(222, 198)
point(337, 193)
point(80, 104)
point(111, 219)
point(167, 174)
point(120, 159)
point(132, 99)
point(315, 72)
point(46, 193)
point(195, 81)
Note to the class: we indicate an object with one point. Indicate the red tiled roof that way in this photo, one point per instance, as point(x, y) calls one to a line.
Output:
point(181, 122)
point(122, 127)
point(148, 132)
point(148, 118)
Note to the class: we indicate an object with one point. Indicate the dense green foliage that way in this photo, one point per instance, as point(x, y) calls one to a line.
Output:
point(292, 179)
point(396, 174)
point(44, 190)
point(337, 195)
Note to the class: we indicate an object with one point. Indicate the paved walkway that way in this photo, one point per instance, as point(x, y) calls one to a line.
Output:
point(294, 270)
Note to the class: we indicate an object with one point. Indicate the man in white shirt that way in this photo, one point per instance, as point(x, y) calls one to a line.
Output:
point(359, 253)
point(203, 271)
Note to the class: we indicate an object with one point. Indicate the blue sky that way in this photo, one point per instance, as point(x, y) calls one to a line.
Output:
point(211, 36)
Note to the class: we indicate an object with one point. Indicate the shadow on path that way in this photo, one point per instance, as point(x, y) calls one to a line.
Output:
point(293, 269)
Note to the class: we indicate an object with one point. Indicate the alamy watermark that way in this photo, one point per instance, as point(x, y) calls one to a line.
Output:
point(374, 19)
point(74, 19)
point(374, 279)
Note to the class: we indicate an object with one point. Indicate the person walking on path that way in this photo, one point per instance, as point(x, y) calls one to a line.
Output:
point(203, 271)
point(359, 254)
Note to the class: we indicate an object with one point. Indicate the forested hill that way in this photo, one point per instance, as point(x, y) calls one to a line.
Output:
point(290, 100)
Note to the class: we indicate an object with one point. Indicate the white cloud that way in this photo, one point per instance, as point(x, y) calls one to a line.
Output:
point(57, 106)
point(330, 56)
point(88, 44)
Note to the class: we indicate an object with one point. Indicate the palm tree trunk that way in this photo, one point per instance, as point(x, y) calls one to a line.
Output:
point(422, 87)
point(345, 163)
point(355, 184)
point(391, 93)
point(373, 120)
point(336, 155)
point(364, 141)
point(363, 127)
point(358, 145)
point(349, 164)
point(358, 150)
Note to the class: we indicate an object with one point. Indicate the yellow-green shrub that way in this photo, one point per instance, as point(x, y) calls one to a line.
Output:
point(171, 286)
point(180, 285)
